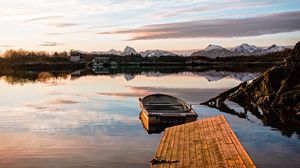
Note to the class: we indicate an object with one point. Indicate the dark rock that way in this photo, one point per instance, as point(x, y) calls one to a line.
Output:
point(290, 100)
point(295, 54)
point(275, 88)
point(275, 93)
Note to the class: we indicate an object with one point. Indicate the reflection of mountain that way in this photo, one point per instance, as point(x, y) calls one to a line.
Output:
point(218, 75)
point(209, 75)
point(129, 77)
point(129, 73)
point(151, 73)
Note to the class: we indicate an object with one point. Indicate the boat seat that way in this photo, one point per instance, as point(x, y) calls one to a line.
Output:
point(162, 104)
point(166, 111)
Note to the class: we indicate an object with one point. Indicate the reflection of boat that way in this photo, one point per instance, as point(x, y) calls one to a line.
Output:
point(164, 110)
point(153, 128)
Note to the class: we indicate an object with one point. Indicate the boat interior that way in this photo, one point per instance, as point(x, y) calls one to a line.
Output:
point(164, 104)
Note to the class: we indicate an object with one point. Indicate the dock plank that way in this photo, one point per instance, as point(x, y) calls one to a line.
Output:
point(209, 142)
point(175, 147)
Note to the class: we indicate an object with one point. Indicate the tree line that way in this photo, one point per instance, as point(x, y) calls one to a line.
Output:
point(29, 57)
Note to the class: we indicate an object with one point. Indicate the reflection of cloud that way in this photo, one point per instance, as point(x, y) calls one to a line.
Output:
point(62, 101)
point(51, 105)
point(128, 94)
point(47, 105)
point(55, 93)
point(260, 25)
point(55, 150)
point(33, 117)
point(41, 107)
point(188, 94)
point(133, 92)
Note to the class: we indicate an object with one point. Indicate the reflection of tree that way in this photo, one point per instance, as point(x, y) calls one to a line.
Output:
point(45, 76)
point(23, 77)
point(224, 108)
point(24, 74)
point(285, 122)
point(15, 80)
point(130, 71)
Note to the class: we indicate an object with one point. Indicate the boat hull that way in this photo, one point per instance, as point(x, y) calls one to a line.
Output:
point(156, 120)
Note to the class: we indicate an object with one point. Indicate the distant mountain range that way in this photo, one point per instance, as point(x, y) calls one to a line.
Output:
point(214, 51)
point(211, 51)
point(131, 51)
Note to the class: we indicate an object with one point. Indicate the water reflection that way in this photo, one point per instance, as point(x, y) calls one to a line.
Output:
point(286, 123)
point(89, 119)
point(129, 73)
point(282, 121)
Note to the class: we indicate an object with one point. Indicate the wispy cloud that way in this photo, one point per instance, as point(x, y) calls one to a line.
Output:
point(102, 26)
point(215, 6)
point(223, 28)
point(6, 46)
point(55, 34)
point(50, 44)
point(67, 33)
point(43, 18)
point(66, 24)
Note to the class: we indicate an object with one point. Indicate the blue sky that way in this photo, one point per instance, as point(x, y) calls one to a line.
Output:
point(146, 24)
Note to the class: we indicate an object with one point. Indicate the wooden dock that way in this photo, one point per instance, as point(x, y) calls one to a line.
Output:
point(205, 143)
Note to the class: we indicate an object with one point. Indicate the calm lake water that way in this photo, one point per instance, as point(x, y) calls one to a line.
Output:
point(93, 120)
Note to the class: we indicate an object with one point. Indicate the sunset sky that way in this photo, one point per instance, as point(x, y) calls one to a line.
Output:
point(93, 25)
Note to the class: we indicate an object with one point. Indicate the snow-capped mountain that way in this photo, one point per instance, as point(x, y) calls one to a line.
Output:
point(274, 48)
point(129, 51)
point(114, 52)
point(110, 52)
point(211, 51)
point(156, 53)
point(213, 47)
point(246, 49)
point(214, 51)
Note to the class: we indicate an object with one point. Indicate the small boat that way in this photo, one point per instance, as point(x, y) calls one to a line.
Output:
point(165, 110)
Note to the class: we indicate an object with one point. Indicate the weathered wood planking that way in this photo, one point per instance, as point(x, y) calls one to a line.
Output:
point(205, 143)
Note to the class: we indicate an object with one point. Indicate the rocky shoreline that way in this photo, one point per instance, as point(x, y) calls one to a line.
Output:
point(276, 92)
